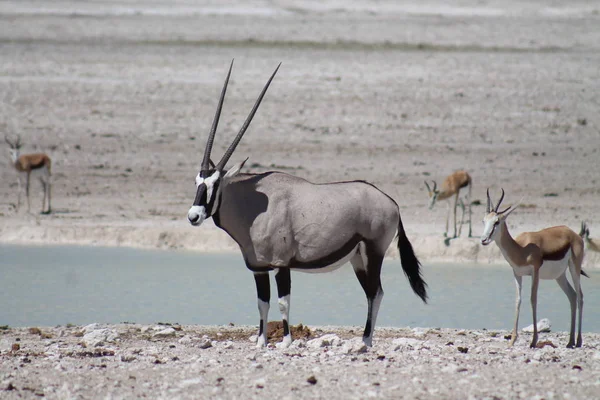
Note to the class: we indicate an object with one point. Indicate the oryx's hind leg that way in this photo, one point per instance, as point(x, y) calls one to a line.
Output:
point(284, 284)
point(367, 267)
point(566, 287)
point(263, 292)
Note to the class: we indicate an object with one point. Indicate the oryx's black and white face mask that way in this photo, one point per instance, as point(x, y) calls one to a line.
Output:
point(209, 179)
point(206, 201)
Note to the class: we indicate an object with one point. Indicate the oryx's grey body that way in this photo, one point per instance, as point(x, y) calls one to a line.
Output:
point(282, 222)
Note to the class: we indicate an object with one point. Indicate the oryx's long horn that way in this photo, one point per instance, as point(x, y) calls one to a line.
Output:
point(211, 136)
point(434, 185)
point(500, 201)
point(237, 139)
point(427, 185)
point(488, 207)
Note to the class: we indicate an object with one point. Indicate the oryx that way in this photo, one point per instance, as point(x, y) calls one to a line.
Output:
point(282, 222)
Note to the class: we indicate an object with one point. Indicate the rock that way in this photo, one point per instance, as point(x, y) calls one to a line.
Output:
point(99, 336)
point(324, 341)
point(165, 332)
point(543, 325)
point(355, 345)
point(205, 343)
point(406, 343)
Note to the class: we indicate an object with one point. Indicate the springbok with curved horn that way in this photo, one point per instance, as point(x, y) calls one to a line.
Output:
point(27, 164)
point(544, 254)
point(593, 244)
point(451, 189)
point(282, 222)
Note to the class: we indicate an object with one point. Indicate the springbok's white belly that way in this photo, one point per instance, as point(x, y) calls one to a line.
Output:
point(331, 267)
point(549, 269)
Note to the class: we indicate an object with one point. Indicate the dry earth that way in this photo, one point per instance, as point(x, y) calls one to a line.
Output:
point(121, 96)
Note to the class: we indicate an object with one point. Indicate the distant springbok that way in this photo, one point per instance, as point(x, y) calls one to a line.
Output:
point(545, 254)
point(593, 244)
point(451, 189)
point(37, 163)
point(282, 222)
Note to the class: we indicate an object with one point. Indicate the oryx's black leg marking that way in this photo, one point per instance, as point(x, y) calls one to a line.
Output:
point(284, 285)
point(367, 267)
point(263, 292)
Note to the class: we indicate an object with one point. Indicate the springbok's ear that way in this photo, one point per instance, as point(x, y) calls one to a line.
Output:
point(512, 208)
point(233, 171)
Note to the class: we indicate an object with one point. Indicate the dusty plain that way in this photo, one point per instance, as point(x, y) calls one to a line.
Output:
point(121, 96)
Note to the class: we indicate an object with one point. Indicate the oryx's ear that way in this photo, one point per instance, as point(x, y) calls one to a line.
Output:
point(233, 171)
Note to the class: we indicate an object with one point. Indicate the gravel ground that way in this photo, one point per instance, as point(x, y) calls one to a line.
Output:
point(188, 362)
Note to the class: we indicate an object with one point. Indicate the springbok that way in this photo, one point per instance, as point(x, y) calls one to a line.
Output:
point(593, 244)
point(282, 222)
point(451, 187)
point(37, 163)
point(544, 254)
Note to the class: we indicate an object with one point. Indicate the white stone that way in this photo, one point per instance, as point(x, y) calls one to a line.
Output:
point(324, 341)
point(543, 325)
point(99, 336)
point(406, 343)
point(165, 332)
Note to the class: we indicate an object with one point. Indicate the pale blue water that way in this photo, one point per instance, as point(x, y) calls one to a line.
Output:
point(47, 286)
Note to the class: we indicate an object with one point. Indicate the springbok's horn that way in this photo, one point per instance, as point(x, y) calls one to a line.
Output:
point(211, 136)
point(8, 141)
point(237, 139)
point(500, 201)
point(488, 207)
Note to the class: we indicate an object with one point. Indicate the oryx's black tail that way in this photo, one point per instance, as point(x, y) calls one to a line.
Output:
point(410, 264)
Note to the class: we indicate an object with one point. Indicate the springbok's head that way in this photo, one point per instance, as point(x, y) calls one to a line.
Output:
point(494, 219)
point(210, 176)
point(433, 193)
point(14, 147)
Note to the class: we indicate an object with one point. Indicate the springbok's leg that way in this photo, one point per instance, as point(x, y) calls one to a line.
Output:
point(447, 219)
point(576, 276)
point(19, 192)
point(454, 211)
point(49, 183)
point(263, 292)
point(535, 283)
point(367, 267)
point(461, 203)
point(45, 188)
point(515, 334)
point(27, 191)
point(469, 205)
point(563, 282)
point(284, 285)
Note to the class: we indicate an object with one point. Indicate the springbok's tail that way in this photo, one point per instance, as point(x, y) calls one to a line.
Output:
point(410, 264)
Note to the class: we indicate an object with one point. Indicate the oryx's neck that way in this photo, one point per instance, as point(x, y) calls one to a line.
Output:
point(510, 249)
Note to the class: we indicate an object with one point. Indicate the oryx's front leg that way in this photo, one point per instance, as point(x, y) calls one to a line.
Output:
point(515, 332)
point(263, 292)
point(27, 191)
point(367, 267)
point(284, 284)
